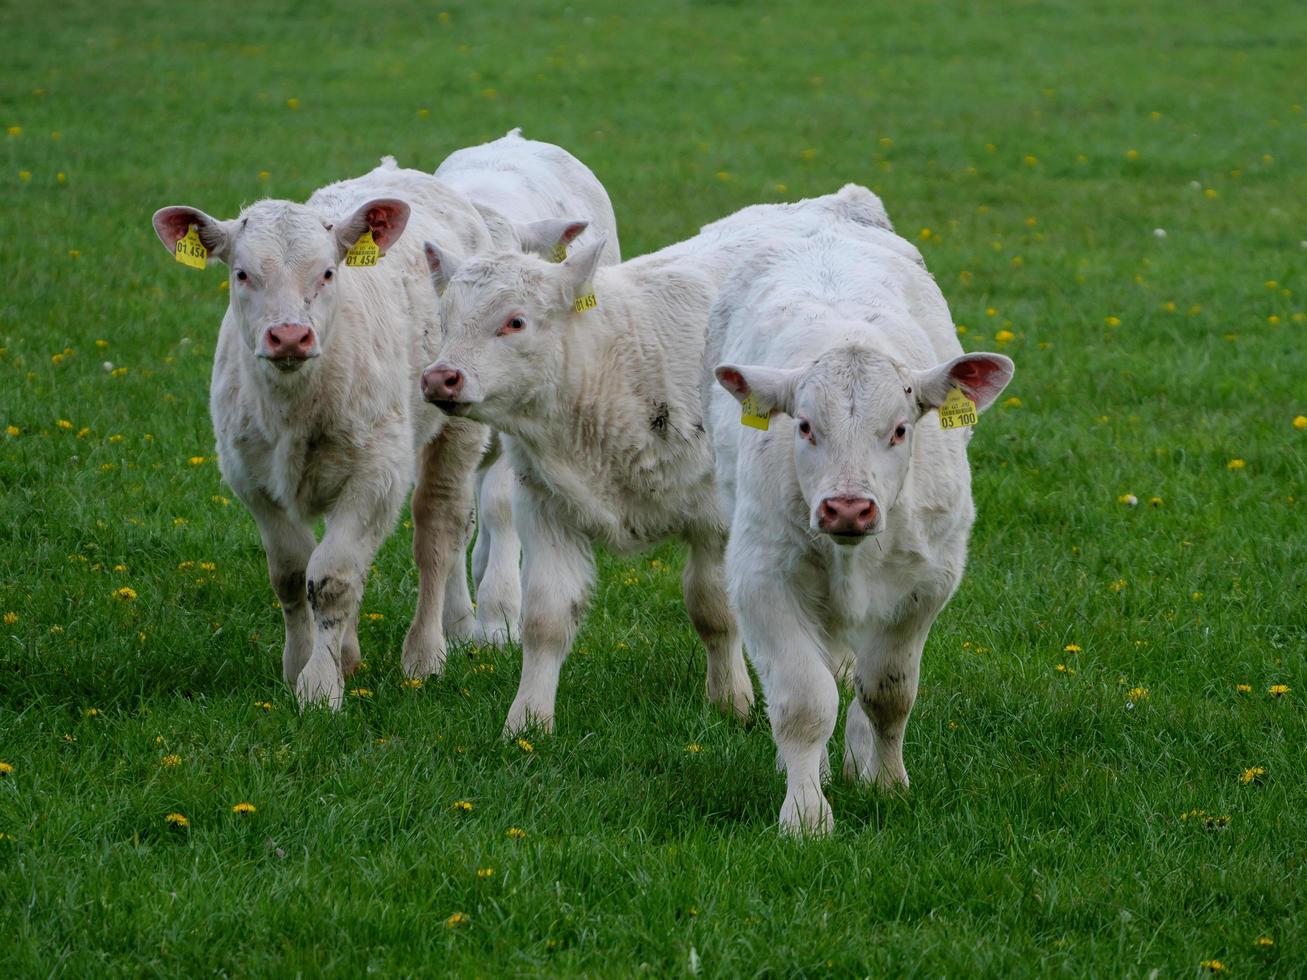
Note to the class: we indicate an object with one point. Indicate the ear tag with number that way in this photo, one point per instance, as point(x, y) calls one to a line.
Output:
point(586, 302)
point(957, 412)
point(559, 253)
point(190, 251)
point(364, 251)
point(754, 413)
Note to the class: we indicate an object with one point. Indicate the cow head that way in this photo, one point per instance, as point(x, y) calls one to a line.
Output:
point(284, 261)
point(854, 411)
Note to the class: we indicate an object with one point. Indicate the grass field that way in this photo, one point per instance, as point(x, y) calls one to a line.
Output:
point(1105, 671)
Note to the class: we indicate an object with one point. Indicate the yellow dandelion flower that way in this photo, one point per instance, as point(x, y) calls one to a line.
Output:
point(198, 460)
point(456, 920)
point(56, 629)
point(724, 176)
point(525, 746)
point(13, 430)
point(808, 154)
point(1112, 321)
point(1013, 402)
point(413, 683)
point(781, 188)
point(462, 805)
point(24, 175)
point(91, 713)
point(1244, 688)
point(925, 234)
point(118, 372)
point(1209, 192)
point(1235, 464)
point(64, 424)
point(515, 833)
point(125, 594)
point(1129, 499)
point(1299, 422)
point(1272, 319)
point(1264, 941)
point(1215, 966)
point(265, 705)
point(1278, 690)
point(6, 769)
point(1138, 694)
point(1155, 501)
point(1252, 775)
point(170, 761)
point(178, 820)
point(1003, 336)
point(1132, 154)
point(1071, 648)
point(11, 618)
point(360, 692)
point(15, 130)
point(292, 104)
point(1030, 160)
point(1060, 668)
point(961, 328)
point(69, 738)
point(991, 311)
point(485, 872)
point(244, 809)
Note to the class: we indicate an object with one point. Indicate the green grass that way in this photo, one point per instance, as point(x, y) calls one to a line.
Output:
point(1042, 835)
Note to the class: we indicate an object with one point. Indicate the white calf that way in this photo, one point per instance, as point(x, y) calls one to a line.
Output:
point(850, 513)
point(314, 407)
point(540, 198)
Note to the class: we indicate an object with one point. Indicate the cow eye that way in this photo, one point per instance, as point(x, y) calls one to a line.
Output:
point(512, 325)
point(241, 276)
point(327, 275)
point(805, 429)
point(900, 432)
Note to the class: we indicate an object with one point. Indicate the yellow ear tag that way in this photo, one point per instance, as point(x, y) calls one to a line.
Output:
point(559, 253)
point(189, 250)
point(586, 302)
point(754, 413)
point(957, 412)
point(364, 251)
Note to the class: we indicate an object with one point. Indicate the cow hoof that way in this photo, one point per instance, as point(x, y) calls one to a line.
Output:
point(810, 816)
point(320, 684)
point(521, 718)
point(422, 658)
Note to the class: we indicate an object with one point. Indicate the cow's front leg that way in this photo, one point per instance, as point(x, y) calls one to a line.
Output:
point(336, 575)
point(885, 681)
point(288, 546)
point(442, 501)
point(496, 563)
point(802, 699)
point(557, 572)
point(704, 587)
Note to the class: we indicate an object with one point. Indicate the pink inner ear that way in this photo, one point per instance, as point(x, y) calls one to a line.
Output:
point(571, 231)
point(175, 224)
point(977, 375)
point(386, 222)
point(733, 381)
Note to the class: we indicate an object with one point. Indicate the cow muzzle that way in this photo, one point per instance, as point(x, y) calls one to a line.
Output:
point(848, 519)
point(289, 345)
point(443, 386)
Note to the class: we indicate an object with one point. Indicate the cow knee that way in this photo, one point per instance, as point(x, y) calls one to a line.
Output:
point(289, 586)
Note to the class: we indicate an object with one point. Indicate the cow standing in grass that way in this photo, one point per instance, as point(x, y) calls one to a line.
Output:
point(522, 188)
point(850, 512)
point(595, 374)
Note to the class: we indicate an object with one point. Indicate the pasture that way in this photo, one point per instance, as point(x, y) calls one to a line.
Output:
point(1107, 755)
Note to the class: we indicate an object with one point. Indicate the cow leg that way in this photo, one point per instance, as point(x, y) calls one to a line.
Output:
point(459, 613)
point(442, 500)
point(337, 572)
point(288, 546)
point(557, 572)
point(499, 586)
point(350, 656)
point(885, 679)
point(802, 699)
point(704, 587)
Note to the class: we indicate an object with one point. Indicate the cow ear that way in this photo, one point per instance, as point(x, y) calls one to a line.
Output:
point(441, 265)
point(172, 223)
point(982, 378)
point(579, 268)
point(771, 389)
point(385, 217)
point(549, 237)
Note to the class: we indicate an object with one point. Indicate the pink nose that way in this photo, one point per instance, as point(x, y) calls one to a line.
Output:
point(292, 340)
point(846, 515)
point(441, 383)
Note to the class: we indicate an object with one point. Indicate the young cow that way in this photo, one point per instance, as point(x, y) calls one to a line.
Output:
point(595, 374)
point(850, 513)
point(522, 188)
point(314, 412)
